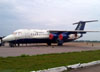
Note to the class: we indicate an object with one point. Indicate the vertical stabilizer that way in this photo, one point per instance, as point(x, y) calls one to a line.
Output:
point(81, 24)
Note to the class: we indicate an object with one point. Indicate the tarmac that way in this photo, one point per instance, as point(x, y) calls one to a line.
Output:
point(37, 49)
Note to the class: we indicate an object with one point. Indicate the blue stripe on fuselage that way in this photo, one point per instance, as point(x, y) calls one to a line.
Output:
point(28, 40)
point(37, 41)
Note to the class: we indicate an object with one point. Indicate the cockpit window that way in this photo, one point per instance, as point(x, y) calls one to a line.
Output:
point(17, 33)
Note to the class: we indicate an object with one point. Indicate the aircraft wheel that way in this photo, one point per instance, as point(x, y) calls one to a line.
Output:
point(11, 44)
point(49, 43)
point(60, 43)
point(18, 44)
point(0, 44)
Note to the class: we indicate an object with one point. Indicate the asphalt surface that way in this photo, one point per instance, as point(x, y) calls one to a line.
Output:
point(35, 49)
point(95, 68)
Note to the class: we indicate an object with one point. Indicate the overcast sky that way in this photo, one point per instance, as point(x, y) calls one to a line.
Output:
point(49, 14)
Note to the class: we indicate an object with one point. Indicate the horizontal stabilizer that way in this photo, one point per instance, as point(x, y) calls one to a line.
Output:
point(85, 21)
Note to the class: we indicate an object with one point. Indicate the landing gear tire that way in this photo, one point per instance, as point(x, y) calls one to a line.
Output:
point(11, 44)
point(49, 43)
point(60, 43)
point(0, 44)
point(18, 44)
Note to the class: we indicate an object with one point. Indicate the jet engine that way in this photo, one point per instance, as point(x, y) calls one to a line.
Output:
point(63, 36)
point(53, 36)
point(74, 36)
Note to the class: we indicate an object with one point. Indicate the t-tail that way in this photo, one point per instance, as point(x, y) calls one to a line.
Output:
point(81, 24)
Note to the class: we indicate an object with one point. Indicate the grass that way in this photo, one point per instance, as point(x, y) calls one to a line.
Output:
point(26, 63)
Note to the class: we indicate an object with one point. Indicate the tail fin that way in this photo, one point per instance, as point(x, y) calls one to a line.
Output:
point(81, 24)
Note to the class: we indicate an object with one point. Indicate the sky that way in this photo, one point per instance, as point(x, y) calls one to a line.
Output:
point(49, 14)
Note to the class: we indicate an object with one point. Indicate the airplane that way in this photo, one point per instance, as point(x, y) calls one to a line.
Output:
point(22, 36)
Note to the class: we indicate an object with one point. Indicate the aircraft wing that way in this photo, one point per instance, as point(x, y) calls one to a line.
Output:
point(81, 31)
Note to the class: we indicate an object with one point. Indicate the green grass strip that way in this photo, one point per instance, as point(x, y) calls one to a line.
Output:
point(26, 63)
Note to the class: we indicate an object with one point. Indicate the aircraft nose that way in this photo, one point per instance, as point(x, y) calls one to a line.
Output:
point(8, 38)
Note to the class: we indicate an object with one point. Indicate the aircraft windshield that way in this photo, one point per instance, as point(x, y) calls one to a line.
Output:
point(17, 33)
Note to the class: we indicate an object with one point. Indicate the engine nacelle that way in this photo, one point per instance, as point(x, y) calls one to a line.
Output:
point(53, 36)
point(63, 36)
point(74, 36)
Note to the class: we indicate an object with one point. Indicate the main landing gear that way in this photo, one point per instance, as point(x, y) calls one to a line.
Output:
point(49, 43)
point(60, 42)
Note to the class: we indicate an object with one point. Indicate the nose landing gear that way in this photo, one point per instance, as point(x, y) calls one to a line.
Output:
point(14, 44)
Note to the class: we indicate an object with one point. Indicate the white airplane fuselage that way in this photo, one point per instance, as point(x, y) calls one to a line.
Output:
point(25, 34)
point(34, 36)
